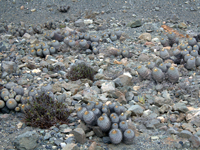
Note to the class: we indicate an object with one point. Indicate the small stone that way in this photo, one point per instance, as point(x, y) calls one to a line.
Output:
point(98, 131)
point(145, 37)
point(143, 58)
point(136, 110)
point(106, 140)
point(79, 23)
point(79, 135)
point(8, 66)
point(27, 36)
point(91, 133)
point(135, 24)
point(182, 25)
point(195, 140)
point(22, 7)
point(108, 87)
point(33, 10)
point(180, 107)
point(93, 146)
point(185, 134)
point(123, 80)
point(189, 127)
point(71, 146)
point(159, 101)
point(88, 21)
point(154, 137)
point(165, 108)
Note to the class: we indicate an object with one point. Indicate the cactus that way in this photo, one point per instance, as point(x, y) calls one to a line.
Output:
point(196, 47)
point(19, 90)
point(117, 110)
point(194, 53)
point(164, 54)
point(71, 43)
point(151, 65)
point(115, 126)
point(111, 107)
point(46, 87)
point(97, 112)
point(45, 52)
point(105, 110)
point(128, 136)
point(123, 125)
point(90, 106)
point(186, 57)
point(2, 104)
point(143, 72)
point(80, 112)
point(52, 50)
point(192, 41)
point(86, 36)
point(98, 105)
point(104, 123)
point(183, 46)
point(39, 53)
point(189, 48)
point(11, 103)
point(190, 63)
point(173, 74)
point(184, 52)
point(114, 119)
point(164, 41)
point(115, 136)
point(113, 37)
point(163, 67)
point(94, 38)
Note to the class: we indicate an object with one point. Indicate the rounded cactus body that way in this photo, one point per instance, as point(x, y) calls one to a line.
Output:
point(18, 98)
point(115, 136)
point(115, 126)
point(122, 108)
point(113, 37)
point(197, 62)
point(117, 110)
point(151, 65)
point(94, 44)
point(90, 106)
point(89, 118)
point(17, 109)
point(191, 64)
point(2, 104)
point(12, 94)
point(143, 72)
point(81, 35)
point(163, 67)
point(46, 52)
point(11, 103)
point(39, 52)
point(198, 43)
point(195, 47)
point(46, 87)
point(122, 117)
point(52, 50)
point(164, 42)
point(171, 36)
point(105, 110)
point(164, 54)
point(55, 44)
point(189, 48)
point(98, 105)
point(5, 98)
point(128, 136)
point(80, 112)
point(104, 123)
point(4, 92)
point(45, 45)
point(111, 107)
point(97, 112)
point(95, 50)
point(176, 52)
point(186, 57)
point(192, 41)
point(33, 52)
point(38, 46)
point(66, 40)
point(183, 46)
point(71, 43)
point(83, 44)
point(157, 74)
point(118, 33)
point(125, 54)
point(114, 119)
point(123, 125)
point(113, 114)
point(87, 36)
point(94, 38)
point(19, 90)
point(194, 53)
point(173, 74)
point(32, 92)
point(184, 52)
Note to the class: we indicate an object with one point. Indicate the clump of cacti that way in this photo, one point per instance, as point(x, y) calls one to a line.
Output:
point(114, 124)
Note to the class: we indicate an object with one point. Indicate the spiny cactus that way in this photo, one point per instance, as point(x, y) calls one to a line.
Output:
point(89, 118)
point(115, 136)
point(128, 136)
point(104, 123)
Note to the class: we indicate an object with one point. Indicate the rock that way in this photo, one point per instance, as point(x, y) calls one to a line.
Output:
point(79, 135)
point(71, 146)
point(129, 96)
point(136, 110)
point(93, 146)
point(8, 66)
point(88, 21)
point(185, 134)
point(172, 131)
point(108, 87)
point(27, 36)
point(159, 101)
point(123, 80)
point(79, 23)
point(195, 140)
point(189, 127)
point(165, 108)
point(145, 37)
point(91, 133)
point(26, 141)
point(180, 107)
point(166, 95)
point(143, 58)
point(182, 25)
point(83, 126)
point(98, 131)
point(151, 124)
point(135, 24)
point(106, 140)
point(47, 136)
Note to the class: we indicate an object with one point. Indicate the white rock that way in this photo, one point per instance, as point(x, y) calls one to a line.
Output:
point(88, 21)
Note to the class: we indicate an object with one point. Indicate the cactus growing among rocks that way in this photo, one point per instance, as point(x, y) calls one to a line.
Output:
point(115, 136)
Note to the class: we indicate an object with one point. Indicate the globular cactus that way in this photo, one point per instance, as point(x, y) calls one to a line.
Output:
point(19, 90)
point(97, 112)
point(173, 74)
point(197, 61)
point(192, 41)
point(128, 136)
point(32, 92)
point(186, 57)
point(143, 72)
point(105, 110)
point(196, 47)
point(39, 53)
point(66, 40)
point(117, 110)
point(52, 50)
point(90, 106)
point(18, 98)
point(5, 98)
point(83, 44)
point(114, 119)
point(4, 92)
point(55, 44)
point(113, 37)
point(171, 36)
point(125, 53)
point(151, 65)
point(81, 35)
point(164, 54)
point(177, 53)
point(94, 38)
point(95, 50)
point(2, 104)
point(89, 118)
point(111, 107)
point(184, 52)
point(87, 36)
point(112, 115)
point(122, 117)
point(17, 109)
point(98, 105)
point(33, 52)
point(38, 46)
point(11, 103)
point(164, 41)
point(45, 45)
point(46, 52)
point(71, 43)
point(12, 94)
point(104, 123)
point(115, 136)
point(122, 108)
point(194, 53)
point(163, 67)
point(183, 46)
point(191, 64)
point(80, 112)
point(189, 48)
point(115, 126)
point(94, 44)
point(123, 125)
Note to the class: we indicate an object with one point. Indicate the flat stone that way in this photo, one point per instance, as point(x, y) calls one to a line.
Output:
point(108, 87)
point(8, 66)
point(195, 140)
point(71, 146)
point(123, 80)
point(135, 24)
point(165, 108)
point(189, 127)
point(91, 133)
point(180, 107)
point(159, 101)
point(93, 146)
point(98, 131)
point(143, 58)
point(182, 25)
point(27, 140)
point(185, 134)
point(79, 135)
point(145, 37)
point(136, 110)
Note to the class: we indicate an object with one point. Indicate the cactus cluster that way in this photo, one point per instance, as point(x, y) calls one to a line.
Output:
point(11, 98)
point(111, 119)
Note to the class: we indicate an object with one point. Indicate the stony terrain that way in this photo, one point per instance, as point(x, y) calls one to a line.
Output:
point(163, 114)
